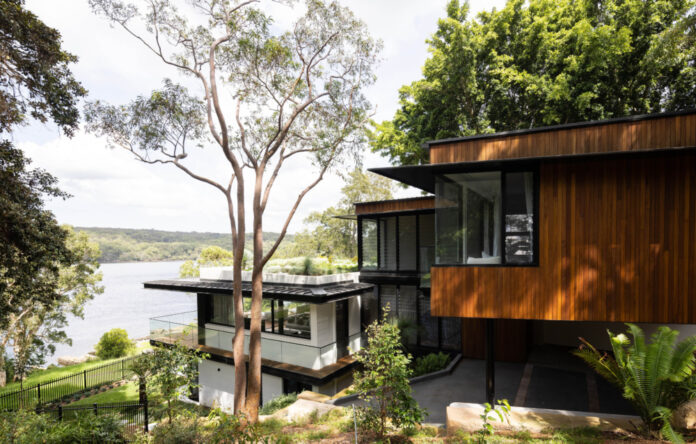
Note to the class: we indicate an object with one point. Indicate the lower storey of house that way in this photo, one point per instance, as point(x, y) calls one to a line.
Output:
point(216, 385)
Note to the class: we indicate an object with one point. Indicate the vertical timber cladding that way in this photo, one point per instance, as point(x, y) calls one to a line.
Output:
point(617, 242)
point(647, 133)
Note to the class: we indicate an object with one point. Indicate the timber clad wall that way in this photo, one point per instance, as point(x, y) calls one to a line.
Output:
point(387, 206)
point(647, 134)
point(617, 243)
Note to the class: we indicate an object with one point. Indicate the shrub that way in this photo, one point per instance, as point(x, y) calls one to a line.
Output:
point(114, 344)
point(655, 377)
point(278, 403)
point(383, 382)
point(430, 363)
point(24, 427)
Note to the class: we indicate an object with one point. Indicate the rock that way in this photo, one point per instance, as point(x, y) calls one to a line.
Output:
point(302, 408)
point(684, 417)
point(467, 417)
point(71, 360)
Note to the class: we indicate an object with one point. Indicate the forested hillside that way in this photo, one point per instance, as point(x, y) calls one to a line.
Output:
point(134, 245)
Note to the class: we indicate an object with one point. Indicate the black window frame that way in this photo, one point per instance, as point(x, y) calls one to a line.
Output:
point(534, 169)
point(247, 321)
point(377, 217)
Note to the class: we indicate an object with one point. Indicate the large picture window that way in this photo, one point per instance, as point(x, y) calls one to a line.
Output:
point(280, 317)
point(368, 238)
point(485, 218)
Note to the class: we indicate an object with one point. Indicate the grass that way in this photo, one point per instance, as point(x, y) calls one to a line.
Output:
point(125, 393)
point(42, 376)
point(278, 403)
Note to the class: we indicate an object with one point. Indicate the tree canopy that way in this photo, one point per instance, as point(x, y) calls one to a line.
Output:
point(331, 233)
point(544, 62)
point(35, 82)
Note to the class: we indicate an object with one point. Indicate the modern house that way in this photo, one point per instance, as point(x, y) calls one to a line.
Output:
point(310, 327)
point(543, 235)
point(524, 239)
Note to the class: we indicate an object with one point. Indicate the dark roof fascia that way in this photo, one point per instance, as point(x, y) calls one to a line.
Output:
point(423, 175)
point(405, 199)
point(563, 126)
point(312, 295)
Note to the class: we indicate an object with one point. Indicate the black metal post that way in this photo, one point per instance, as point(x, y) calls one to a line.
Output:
point(84, 377)
point(490, 360)
point(96, 409)
point(38, 393)
point(60, 413)
point(145, 412)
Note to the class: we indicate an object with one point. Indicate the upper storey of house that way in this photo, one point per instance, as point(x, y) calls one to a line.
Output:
point(588, 221)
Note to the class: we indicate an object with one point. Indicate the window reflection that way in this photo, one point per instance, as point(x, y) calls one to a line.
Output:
point(280, 317)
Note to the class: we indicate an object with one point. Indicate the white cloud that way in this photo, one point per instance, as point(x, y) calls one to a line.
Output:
point(110, 188)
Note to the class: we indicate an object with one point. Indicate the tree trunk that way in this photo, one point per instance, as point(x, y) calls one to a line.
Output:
point(3, 375)
point(238, 237)
point(254, 376)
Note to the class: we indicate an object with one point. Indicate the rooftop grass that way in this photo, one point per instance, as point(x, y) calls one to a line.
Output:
point(306, 266)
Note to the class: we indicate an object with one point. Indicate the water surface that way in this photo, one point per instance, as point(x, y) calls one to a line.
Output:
point(125, 304)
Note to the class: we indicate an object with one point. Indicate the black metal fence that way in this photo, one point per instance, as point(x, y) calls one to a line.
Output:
point(62, 388)
point(132, 416)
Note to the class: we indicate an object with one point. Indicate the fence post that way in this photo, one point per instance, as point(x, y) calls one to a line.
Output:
point(84, 377)
point(96, 408)
point(147, 418)
point(38, 393)
point(123, 369)
point(60, 413)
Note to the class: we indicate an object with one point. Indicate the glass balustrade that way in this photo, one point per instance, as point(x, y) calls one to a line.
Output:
point(183, 328)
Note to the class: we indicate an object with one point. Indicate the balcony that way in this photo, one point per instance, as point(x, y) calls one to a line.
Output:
point(183, 328)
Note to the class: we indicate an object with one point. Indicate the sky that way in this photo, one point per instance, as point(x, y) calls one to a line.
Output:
point(110, 188)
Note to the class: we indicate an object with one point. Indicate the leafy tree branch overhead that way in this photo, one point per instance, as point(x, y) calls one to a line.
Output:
point(263, 96)
point(544, 62)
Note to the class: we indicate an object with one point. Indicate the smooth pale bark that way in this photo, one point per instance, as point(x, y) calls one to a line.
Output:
point(254, 377)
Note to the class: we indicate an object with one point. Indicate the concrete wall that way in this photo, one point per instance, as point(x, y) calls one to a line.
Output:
point(217, 385)
point(334, 386)
point(271, 387)
point(567, 333)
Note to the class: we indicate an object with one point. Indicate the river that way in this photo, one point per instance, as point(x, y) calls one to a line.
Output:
point(125, 304)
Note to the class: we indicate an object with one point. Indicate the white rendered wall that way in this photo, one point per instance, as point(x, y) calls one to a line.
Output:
point(353, 315)
point(216, 382)
point(271, 387)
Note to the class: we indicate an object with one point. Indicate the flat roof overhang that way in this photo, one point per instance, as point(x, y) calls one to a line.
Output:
point(423, 176)
point(317, 294)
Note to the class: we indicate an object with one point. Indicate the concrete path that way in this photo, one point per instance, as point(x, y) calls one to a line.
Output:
point(467, 383)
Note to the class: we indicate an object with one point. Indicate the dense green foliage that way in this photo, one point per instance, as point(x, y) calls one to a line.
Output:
point(543, 62)
point(114, 344)
point(33, 243)
point(430, 363)
point(36, 80)
point(383, 382)
point(329, 233)
point(34, 331)
point(278, 403)
point(656, 376)
point(26, 427)
point(135, 245)
point(168, 372)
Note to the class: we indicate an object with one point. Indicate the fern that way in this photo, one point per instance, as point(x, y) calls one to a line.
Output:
point(655, 377)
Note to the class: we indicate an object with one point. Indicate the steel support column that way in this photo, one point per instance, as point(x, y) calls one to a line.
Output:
point(490, 360)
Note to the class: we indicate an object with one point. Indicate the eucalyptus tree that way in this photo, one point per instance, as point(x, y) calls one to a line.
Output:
point(262, 96)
